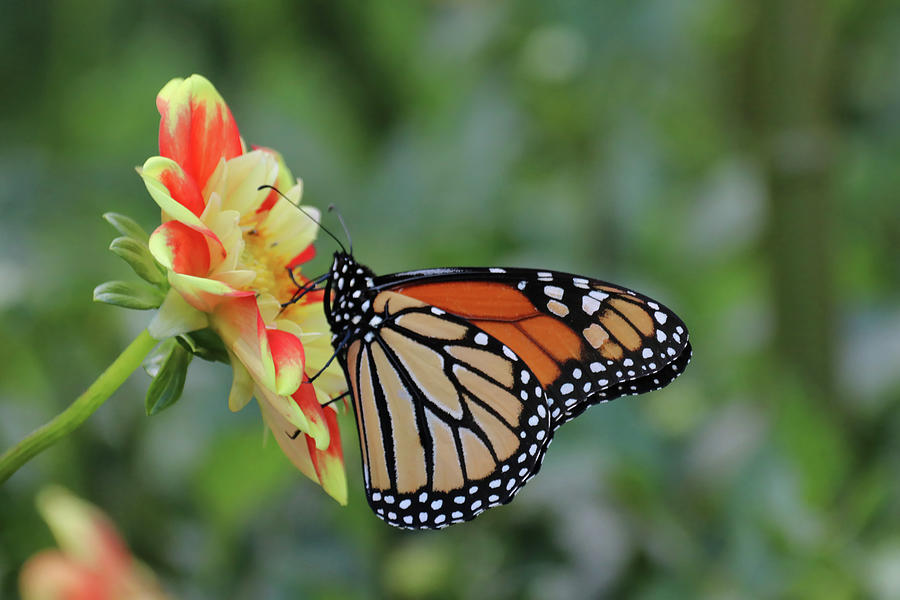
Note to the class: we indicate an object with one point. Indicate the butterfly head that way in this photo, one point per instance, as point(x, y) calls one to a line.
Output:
point(347, 293)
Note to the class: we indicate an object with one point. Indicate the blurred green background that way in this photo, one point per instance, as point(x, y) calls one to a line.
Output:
point(737, 160)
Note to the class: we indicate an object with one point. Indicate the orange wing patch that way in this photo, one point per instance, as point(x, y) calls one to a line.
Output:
point(509, 316)
point(555, 337)
point(540, 363)
point(474, 299)
point(637, 314)
point(621, 329)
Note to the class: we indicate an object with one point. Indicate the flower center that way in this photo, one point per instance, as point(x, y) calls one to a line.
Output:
point(270, 267)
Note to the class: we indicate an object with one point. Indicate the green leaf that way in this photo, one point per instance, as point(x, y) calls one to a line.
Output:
point(166, 387)
point(206, 344)
point(158, 356)
point(137, 295)
point(127, 227)
point(138, 257)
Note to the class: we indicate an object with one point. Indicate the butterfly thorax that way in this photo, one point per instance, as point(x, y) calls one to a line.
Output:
point(348, 297)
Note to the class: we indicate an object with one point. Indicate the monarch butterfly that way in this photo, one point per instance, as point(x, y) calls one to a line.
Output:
point(459, 377)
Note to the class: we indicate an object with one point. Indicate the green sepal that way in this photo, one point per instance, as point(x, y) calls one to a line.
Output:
point(138, 257)
point(206, 344)
point(127, 294)
point(169, 367)
point(127, 227)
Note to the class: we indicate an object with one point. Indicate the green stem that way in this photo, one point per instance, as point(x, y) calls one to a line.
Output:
point(83, 407)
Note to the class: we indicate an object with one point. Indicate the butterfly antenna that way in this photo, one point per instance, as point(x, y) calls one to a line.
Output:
point(317, 222)
point(332, 207)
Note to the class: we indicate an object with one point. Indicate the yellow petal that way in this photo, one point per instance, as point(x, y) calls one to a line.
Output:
point(241, 386)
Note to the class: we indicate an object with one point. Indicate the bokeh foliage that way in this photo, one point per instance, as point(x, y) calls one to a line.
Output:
point(737, 160)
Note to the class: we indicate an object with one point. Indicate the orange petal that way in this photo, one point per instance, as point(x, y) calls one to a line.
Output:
point(50, 575)
point(240, 325)
point(182, 187)
point(83, 531)
point(287, 352)
point(205, 294)
point(307, 255)
point(197, 128)
point(317, 429)
point(329, 464)
point(181, 248)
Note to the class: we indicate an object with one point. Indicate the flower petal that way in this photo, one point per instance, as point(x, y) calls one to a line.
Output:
point(242, 329)
point(241, 386)
point(288, 230)
point(180, 248)
point(287, 353)
point(317, 428)
point(317, 346)
point(236, 279)
point(284, 181)
point(82, 531)
point(269, 307)
point(243, 177)
point(176, 316)
point(154, 171)
point(181, 187)
point(203, 293)
point(51, 575)
point(196, 129)
point(305, 255)
point(286, 407)
point(295, 449)
point(329, 464)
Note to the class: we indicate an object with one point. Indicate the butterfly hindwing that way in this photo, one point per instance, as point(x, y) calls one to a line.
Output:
point(451, 420)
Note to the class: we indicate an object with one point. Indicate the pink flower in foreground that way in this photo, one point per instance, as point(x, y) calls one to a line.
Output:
point(93, 562)
point(227, 249)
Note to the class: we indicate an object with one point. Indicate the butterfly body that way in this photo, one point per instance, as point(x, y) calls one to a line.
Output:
point(461, 376)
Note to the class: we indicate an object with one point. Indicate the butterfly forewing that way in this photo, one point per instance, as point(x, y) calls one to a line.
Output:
point(588, 341)
point(451, 421)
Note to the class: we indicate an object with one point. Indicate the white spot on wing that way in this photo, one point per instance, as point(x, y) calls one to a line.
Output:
point(553, 291)
point(589, 305)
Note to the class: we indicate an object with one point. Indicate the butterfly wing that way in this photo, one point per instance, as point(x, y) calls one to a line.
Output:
point(463, 375)
point(586, 340)
point(451, 421)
